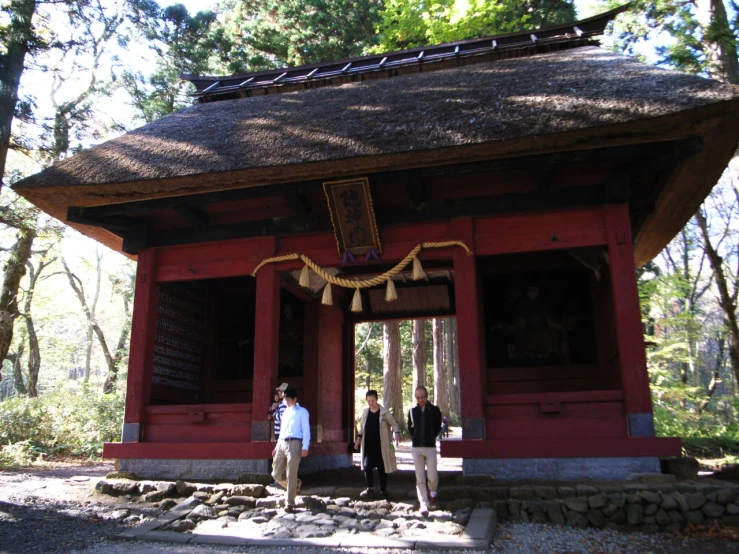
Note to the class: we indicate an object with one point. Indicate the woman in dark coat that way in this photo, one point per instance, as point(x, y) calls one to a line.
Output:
point(376, 429)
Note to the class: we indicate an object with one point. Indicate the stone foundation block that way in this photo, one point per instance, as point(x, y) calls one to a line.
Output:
point(562, 469)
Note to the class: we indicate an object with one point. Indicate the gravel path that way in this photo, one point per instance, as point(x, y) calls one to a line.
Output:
point(46, 511)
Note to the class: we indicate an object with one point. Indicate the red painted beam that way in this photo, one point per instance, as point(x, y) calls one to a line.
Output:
point(533, 232)
point(266, 334)
point(580, 396)
point(633, 360)
point(207, 260)
point(562, 448)
point(143, 331)
point(211, 408)
point(330, 370)
point(209, 450)
point(472, 369)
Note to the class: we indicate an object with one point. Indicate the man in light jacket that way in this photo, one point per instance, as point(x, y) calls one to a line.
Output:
point(291, 447)
point(424, 425)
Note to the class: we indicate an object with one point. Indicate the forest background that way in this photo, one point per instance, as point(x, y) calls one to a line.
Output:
point(74, 73)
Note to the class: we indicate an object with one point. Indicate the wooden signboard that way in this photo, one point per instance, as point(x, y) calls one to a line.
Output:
point(352, 216)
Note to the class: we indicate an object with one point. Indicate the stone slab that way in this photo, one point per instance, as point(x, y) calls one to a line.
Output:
point(562, 469)
point(325, 542)
point(165, 536)
point(125, 536)
point(363, 540)
point(193, 469)
point(481, 525)
point(453, 544)
point(226, 540)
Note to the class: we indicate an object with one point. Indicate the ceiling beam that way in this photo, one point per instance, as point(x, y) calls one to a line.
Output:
point(632, 155)
point(193, 214)
point(298, 201)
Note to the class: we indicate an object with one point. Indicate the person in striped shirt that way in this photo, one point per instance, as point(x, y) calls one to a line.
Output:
point(276, 412)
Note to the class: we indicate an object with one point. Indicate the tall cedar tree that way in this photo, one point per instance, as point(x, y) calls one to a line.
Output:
point(274, 33)
point(392, 396)
point(18, 38)
point(410, 24)
point(705, 42)
point(183, 44)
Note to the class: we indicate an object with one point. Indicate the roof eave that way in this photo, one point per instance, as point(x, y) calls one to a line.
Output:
point(681, 196)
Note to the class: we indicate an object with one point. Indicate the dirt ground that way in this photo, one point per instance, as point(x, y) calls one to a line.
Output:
point(54, 509)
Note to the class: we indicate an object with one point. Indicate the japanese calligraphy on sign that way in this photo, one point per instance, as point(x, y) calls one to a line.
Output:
point(353, 218)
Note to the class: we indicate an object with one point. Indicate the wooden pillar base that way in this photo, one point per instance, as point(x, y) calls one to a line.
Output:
point(260, 431)
point(473, 427)
point(641, 425)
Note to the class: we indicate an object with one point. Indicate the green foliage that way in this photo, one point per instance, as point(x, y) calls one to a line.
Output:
point(690, 37)
point(294, 32)
point(183, 44)
point(75, 422)
point(409, 24)
point(18, 455)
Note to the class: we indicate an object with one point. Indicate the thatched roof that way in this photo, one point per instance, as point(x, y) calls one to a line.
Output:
point(545, 94)
point(483, 110)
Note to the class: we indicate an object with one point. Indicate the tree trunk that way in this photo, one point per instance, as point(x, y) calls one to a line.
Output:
point(448, 365)
point(20, 386)
point(456, 399)
point(15, 269)
point(112, 378)
point(12, 56)
point(716, 378)
point(727, 305)
point(439, 384)
point(91, 317)
point(719, 41)
point(419, 353)
point(74, 283)
point(34, 355)
point(392, 395)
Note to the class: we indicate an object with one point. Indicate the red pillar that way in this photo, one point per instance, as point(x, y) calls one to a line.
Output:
point(309, 397)
point(634, 376)
point(472, 371)
point(143, 332)
point(266, 340)
point(330, 374)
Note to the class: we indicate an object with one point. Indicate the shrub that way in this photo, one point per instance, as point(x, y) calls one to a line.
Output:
point(19, 454)
point(74, 421)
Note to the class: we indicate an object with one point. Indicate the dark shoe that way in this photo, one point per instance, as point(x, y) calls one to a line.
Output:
point(383, 495)
point(366, 493)
point(289, 509)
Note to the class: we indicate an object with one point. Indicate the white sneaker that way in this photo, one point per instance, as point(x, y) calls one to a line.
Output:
point(423, 510)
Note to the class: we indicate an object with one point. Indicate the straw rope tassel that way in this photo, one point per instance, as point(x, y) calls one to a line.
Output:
point(327, 300)
point(418, 273)
point(387, 277)
point(357, 301)
point(390, 294)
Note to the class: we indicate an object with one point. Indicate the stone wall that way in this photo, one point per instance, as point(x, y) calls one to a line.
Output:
point(644, 507)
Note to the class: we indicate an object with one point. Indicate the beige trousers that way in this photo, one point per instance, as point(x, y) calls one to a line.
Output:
point(285, 467)
point(424, 460)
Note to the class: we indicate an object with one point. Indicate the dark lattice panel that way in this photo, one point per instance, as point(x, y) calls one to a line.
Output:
point(178, 346)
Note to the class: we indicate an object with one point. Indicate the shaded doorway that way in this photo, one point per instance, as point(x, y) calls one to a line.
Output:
point(392, 357)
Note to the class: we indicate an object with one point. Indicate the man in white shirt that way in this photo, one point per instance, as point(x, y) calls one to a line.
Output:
point(291, 447)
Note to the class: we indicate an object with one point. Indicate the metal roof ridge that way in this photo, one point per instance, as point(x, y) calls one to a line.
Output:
point(576, 33)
